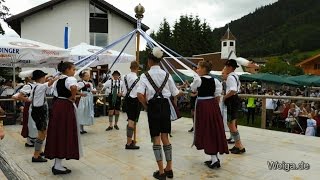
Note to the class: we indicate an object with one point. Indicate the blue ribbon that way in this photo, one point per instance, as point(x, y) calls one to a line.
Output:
point(125, 46)
point(94, 56)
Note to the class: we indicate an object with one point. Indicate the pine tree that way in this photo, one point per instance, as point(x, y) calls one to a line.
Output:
point(4, 12)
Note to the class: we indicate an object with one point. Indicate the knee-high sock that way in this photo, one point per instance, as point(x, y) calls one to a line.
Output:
point(168, 152)
point(117, 118)
point(30, 141)
point(58, 164)
point(129, 132)
point(111, 118)
point(214, 159)
point(38, 145)
point(236, 135)
point(81, 128)
point(157, 152)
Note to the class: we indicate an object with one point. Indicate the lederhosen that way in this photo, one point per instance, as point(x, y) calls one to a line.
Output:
point(114, 105)
point(233, 104)
point(132, 105)
point(158, 109)
point(39, 114)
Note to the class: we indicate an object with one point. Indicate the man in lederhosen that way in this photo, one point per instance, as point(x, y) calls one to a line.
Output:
point(158, 86)
point(133, 106)
point(232, 101)
point(113, 88)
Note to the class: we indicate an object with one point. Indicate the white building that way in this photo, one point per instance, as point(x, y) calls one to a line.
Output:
point(94, 22)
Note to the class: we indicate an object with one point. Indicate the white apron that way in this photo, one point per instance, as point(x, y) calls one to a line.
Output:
point(224, 114)
point(85, 110)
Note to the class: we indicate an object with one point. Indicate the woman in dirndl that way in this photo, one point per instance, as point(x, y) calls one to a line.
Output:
point(85, 110)
point(63, 130)
point(209, 133)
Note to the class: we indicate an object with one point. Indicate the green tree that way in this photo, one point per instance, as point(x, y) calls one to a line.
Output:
point(279, 67)
point(4, 12)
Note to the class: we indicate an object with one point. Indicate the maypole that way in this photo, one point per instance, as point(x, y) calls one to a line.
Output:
point(139, 10)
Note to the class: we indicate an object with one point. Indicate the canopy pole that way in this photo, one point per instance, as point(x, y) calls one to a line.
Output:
point(138, 60)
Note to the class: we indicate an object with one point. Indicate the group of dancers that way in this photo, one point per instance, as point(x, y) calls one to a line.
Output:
point(153, 90)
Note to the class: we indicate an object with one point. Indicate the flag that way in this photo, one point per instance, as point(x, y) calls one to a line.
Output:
point(66, 36)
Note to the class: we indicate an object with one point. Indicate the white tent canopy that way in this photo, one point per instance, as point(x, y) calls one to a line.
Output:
point(28, 53)
point(83, 50)
point(190, 73)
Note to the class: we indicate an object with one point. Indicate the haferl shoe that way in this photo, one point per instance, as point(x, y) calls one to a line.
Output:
point(109, 128)
point(215, 165)
point(233, 148)
point(157, 175)
point(169, 173)
point(238, 151)
point(116, 127)
point(132, 146)
point(28, 145)
point(39, 159)
point(191, 130)
point(56, 171)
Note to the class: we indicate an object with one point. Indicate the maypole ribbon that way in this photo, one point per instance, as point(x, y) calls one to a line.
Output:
point(125, 46)
point(173, 70)
point(180, 56)
point(93, 57)
point(181, 63)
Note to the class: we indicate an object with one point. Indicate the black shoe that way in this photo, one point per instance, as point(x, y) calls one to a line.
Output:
point(169, 173)
point(132, 146)
point(109, 128)
point(238, 151)
point(215, 165)
point(233, 148)
point(56, 171)
point(83, 132)
point(28, 145)
point(116, 127)
point(157, 175)
point(42, 154)
point(208, 163)
point(191, 130)
point(229, 139)
point(40, 159)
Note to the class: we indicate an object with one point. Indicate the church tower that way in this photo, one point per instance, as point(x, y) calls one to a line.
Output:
point(228, 45)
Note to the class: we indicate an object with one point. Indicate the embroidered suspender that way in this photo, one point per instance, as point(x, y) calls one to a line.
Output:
point(131, 87)
point(153, 84)
point(118, 87)
point(237, 82)
point(44, 99)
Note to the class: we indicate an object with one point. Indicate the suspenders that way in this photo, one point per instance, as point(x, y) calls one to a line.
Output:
point(131, 87)
point(153, 84)
point(118, 87)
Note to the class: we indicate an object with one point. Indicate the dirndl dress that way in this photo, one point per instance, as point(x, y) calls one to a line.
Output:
point(85, 111)
point(63, 132)
point(209, 134)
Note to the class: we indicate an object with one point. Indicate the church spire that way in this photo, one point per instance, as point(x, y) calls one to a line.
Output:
point(228, 35)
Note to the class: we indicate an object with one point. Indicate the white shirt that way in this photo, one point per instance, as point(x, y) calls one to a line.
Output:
point(270, 103)
point(8, 91)
point(81, 84)
point(157, 75)
point(39, 92)
point(118, 84)
point(197, 83)
point(131, 78)
point(233, 83)
point(70, 81)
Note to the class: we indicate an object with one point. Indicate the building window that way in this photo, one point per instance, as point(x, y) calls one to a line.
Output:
point(98, 39)
point(98, 26)
point(317, 66)
point(231, 43)
point(224, 44)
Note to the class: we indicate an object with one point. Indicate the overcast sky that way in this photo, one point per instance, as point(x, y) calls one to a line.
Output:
point(216, 12)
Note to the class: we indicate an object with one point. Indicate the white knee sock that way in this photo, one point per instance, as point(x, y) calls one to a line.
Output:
point(214, 159)
point(58, 164)
point(29, 141)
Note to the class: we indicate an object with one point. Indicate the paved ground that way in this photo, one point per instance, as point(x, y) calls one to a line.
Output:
point(106, 158)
